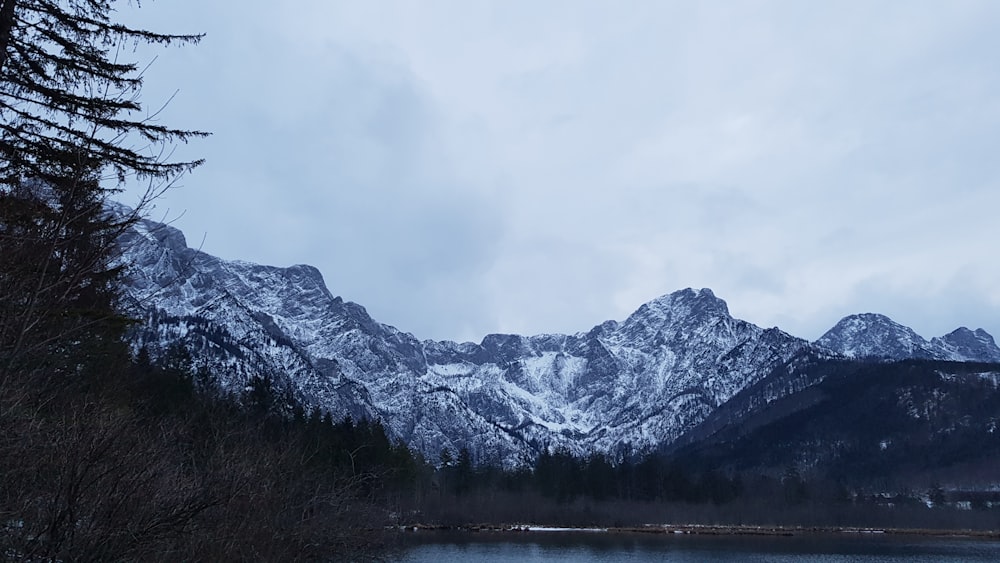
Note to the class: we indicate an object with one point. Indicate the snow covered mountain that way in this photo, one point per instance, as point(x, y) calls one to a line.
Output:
point(620, 388)
point(240, 321)
point(963, 344)
point(876, 336)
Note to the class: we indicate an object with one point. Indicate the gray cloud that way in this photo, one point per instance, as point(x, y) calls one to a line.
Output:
point(470, 167)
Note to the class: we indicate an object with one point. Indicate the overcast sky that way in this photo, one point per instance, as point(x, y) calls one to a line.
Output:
point(461, 168)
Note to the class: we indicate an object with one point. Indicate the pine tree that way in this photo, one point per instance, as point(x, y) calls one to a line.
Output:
point(63, 90)
point(72, 133)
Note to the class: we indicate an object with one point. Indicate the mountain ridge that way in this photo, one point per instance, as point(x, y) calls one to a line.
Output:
point(620, 388)
point(872, 335)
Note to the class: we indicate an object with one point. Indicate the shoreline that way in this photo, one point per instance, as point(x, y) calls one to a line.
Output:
point(699, 529)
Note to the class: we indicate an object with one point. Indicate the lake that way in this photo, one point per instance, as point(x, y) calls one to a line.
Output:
point(594, 547)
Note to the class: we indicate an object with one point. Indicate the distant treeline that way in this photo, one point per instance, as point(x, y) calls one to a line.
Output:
point(560, 489)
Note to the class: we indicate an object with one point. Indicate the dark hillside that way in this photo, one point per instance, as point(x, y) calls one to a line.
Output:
point(861, 422)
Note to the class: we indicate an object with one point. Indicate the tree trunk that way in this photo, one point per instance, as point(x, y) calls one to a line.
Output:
point(6, 26)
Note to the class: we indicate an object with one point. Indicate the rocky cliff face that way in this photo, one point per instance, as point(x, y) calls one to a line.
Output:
point(619, 388)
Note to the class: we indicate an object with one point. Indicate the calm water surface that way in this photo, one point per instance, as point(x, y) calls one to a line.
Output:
point(434, 547)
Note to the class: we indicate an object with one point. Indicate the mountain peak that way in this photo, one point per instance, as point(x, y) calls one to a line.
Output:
point(963, 344)
point(307, 271)
point(873, 335)
point(690, 302)
point(678, 312)
point(868, 319)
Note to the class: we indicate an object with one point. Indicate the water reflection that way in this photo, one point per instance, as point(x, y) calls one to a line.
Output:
point(436, 547)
